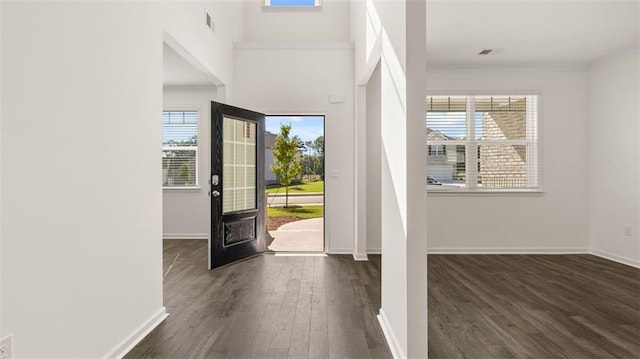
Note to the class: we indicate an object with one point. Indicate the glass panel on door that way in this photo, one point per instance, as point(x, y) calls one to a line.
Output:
point(239, 171)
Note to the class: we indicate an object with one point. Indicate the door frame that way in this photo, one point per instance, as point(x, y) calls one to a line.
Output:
point(325, 241)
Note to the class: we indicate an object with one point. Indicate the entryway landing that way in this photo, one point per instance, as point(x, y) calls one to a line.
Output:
point(305, 235)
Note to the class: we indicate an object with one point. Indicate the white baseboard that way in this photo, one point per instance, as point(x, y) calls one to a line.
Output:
point(360, 257)
point(389, 335)
point(616, 258)
point(374, 250)
point(507, 251)
point(340, 251)
point(120, 350)
point(185, 236)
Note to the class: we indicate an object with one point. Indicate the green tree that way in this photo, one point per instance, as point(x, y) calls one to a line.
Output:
point(318, 147)
point(185, 173)
point(286, 165)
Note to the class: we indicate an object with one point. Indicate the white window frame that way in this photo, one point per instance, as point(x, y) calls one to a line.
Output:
point(188, 108)
point(534, 125)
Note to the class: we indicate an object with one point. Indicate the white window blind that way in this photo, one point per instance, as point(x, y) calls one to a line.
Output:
point(483, 142)
point(179, 148)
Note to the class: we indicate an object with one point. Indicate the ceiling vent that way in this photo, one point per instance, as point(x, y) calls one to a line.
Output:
point(485, 52)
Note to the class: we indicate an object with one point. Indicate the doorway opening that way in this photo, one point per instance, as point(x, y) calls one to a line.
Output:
point(294, 178)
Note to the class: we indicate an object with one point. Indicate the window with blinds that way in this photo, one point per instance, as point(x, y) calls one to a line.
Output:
point(480, 143)
point(179, 149)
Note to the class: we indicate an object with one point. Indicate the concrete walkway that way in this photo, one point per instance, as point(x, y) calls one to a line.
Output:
point(306, 235)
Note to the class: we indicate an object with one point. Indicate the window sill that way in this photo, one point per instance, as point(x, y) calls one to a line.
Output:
point(486, 192)
point(181, 189)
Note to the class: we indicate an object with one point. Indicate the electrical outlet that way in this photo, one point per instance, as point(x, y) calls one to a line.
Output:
point(6, 348)
point(627, 231)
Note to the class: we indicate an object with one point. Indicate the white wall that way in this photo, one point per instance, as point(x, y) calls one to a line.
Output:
point(555, 220)
point(81, 188)
point(327, 23)
point(81, 214)
point(184, 21)
point(2, 331)
point(373, 160)
point(614, 157)
point(280, 81)
point(185, 212)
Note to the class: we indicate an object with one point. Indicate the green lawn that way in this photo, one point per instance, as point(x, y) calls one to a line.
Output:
point(317, 186)
point(302, 212)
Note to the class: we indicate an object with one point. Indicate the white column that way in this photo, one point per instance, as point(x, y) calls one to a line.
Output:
point(403, 315)
point(416, 70)
point(360, 185)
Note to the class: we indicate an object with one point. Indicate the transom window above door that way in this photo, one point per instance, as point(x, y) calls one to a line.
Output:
point(292, 3)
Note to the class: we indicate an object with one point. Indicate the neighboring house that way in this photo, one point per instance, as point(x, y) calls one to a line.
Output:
point(444, 162)
point(269, 142)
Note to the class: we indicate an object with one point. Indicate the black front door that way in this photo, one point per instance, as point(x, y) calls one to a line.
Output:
point(237, 184)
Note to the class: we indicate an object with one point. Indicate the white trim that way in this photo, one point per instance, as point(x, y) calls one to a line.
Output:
point(360, 257)
point(598, 253)
point(508, 251)
point(616, 258)
point(122, 348)
point(374, 250)
point(576, 67)
point(389, 335)
point(185, 236)
point(183, 108)
point(346, 46)
point(181, 189)
point(299, 254)
point(483, 192)
point(339, 251)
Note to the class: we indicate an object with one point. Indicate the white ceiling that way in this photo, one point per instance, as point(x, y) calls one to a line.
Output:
point(178, 72)
point(530, 32)
point(527, 32)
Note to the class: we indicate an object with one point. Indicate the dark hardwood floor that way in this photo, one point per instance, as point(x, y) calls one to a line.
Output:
point(533, 306)
point(266, 307)
point(480, 306)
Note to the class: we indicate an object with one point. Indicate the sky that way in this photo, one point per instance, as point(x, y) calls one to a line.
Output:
point(307, 127)
point(293, 2)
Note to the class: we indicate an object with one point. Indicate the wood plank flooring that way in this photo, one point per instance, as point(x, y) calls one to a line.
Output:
point(533, 306)
point(480, 306)
point(266, 307)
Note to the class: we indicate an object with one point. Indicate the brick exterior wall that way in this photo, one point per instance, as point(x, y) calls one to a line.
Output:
point(504, 165)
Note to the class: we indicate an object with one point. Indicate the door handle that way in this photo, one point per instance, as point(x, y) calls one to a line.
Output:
point(215, 194)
